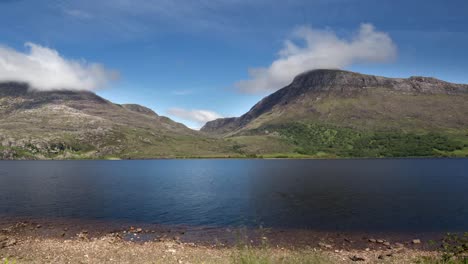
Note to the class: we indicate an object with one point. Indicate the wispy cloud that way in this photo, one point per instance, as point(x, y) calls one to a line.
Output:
point(198, 116)
point(45, 69)
point(182, 92)
point(78, 14)
point(142, 17)
point(321, 49)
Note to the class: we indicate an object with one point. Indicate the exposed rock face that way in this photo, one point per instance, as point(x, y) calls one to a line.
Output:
point(336, 83)
point(224, 124)
point(344, 81)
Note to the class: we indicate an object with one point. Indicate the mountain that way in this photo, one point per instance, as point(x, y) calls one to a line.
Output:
point(322, 113)
point(339, 113)
point(140, 109)
point(69, 124)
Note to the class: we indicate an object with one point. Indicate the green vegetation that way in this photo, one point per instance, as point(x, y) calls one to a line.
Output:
point(436, 260)
point(327, 140)
point(249, 255)
point(289, 140)
point(454, 251)
point(245, 253)
point(455, 247)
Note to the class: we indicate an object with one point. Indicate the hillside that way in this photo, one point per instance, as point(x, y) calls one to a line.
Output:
point(336, 113)
point(69, 125)
point(322, 113)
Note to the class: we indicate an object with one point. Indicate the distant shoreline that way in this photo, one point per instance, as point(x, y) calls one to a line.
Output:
point(247, 158)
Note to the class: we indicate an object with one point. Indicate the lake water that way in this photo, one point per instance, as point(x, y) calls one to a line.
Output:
point(384, 195)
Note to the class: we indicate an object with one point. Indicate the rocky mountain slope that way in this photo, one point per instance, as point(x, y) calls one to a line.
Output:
point(322, 113)
point(331, 111)
point(66, 125)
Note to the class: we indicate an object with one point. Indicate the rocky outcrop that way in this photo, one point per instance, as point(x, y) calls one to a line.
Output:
point(344, 82)
point(224, 124)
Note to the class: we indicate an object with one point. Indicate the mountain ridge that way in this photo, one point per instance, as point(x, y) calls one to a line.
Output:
point(322, 113)
point(64, 124)
point(338, 83)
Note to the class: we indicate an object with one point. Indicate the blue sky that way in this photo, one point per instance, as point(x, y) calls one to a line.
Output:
point(182, 56)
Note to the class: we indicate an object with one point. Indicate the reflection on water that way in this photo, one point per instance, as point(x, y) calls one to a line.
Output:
point(387, 195)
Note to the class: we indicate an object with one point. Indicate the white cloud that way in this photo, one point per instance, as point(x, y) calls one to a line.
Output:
point(200, 117)
point(321, 49)
point(45, 69)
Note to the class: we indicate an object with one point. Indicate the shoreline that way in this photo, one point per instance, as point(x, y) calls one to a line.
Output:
point(36, 241)
point(61, 228)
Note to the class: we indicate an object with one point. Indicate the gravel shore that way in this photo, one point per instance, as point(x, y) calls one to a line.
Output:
point(33, 242)
point(110, 249)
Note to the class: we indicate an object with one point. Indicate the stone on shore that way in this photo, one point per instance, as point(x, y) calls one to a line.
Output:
point(324, 245)
point(8, 242)
point(356, 258)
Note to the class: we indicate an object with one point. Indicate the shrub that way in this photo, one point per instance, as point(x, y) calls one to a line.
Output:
point(313, 138)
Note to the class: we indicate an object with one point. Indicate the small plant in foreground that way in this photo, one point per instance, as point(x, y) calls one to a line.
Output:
point(455, 247)
point(249, 255)
point(263, 253)
point(434, 260)
point(454, 251)
point(6, 261)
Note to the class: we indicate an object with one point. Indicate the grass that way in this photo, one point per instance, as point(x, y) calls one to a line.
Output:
point(454, 249)
point(438, 260)
point(250, 255)
point(245, 253)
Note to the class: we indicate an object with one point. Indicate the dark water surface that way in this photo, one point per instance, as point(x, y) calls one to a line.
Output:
point(347, 195)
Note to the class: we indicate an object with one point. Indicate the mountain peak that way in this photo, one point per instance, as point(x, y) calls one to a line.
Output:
point(13, 89)
point(322, 72)
point(331, 79)
point(36, 97)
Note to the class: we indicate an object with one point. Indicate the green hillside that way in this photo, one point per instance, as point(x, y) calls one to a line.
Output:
point(345, 114)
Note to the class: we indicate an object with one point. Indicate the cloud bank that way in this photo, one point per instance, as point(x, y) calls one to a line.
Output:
point(200, 117)
point(45, 69)
point(320, 49)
